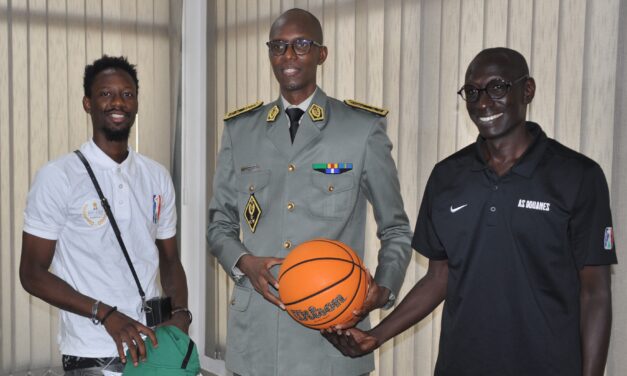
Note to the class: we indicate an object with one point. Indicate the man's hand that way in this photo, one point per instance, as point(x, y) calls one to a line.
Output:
point(124, 329)
point(376, 298)
point(257, 269)
point(353, 342)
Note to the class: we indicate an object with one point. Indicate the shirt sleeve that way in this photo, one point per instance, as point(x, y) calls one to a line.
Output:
point(590, 230)
point(382, 188)
point(46, 207)
point(426, 241)
point(167, 218)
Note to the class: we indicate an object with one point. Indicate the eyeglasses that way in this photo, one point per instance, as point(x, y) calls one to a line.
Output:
point(300, 46)
point(495, 89)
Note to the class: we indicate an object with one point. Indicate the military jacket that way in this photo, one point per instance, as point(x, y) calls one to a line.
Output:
point(298, 196)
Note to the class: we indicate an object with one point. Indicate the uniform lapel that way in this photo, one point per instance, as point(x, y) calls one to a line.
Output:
point(278, 130)
point(311, 127)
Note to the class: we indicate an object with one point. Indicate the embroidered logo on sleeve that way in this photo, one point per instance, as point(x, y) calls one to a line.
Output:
point(608, 238)
point(93, 213)
point(156, 208)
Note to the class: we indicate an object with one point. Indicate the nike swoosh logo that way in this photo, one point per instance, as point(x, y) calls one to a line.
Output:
point(454, 210)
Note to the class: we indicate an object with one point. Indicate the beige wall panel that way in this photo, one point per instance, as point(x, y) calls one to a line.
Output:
point(361, 50)
point(38, 153)
point(160, 129)
point(451, 79)
point(391, 96)
point(128, 47)
point(328, 72)
point(19, 61)
point(93, 40)
point(5, 193)
point(345, 54)
point(265, 77)
point(77, 118)
point(112, 27)
point(471, 42)
point(231, 59)
point(495, 23)
point(241, 61)
point(519, 27)
point(222, 105)
point(252, 50)
point(425, 157)
point(544, 63)
point(570, 72)
point(600, 83)
point(144, 125)
point(57, 111)
point(93, 20)
point(409, 137)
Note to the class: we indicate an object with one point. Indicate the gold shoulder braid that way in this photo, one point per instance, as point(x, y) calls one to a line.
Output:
point(243, 110)
point(366, 107)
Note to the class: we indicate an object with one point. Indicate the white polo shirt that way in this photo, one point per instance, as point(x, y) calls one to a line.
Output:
point(63, 205)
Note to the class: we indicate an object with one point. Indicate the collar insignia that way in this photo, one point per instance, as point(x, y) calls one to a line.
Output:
point(272, 114)
point(316, 113)
point(375, 110)
point(243, 110)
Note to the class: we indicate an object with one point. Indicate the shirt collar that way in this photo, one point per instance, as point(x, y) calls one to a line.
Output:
point(530, 159)
point(97, 157)
point(304, 105)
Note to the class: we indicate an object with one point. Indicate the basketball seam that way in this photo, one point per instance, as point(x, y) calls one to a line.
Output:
point(324, 289)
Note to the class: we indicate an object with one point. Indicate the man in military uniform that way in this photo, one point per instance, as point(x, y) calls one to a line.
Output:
point(300, 168)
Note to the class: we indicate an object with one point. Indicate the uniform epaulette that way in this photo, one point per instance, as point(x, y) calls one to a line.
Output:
point(243, 110)
point(363, 106)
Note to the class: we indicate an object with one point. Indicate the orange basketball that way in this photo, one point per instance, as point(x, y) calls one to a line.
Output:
point(321, 283)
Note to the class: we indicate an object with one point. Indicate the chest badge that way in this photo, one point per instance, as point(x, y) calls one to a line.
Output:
point(252, 212)
point(332, 168)
point(93, 213)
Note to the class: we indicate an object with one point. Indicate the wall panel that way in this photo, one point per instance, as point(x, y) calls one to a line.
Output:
point(410, 56)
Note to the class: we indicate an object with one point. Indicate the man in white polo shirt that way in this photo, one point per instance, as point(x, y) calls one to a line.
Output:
point(67, 229)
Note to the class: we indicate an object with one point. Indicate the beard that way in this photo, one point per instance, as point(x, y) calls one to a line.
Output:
point(117, 134)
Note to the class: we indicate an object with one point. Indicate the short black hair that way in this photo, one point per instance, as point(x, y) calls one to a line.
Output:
point(301, 16)
point(104, 63)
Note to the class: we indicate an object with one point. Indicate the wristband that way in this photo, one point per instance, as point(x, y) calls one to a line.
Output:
point(109, 312)
point(94, 312)
point(189, 313)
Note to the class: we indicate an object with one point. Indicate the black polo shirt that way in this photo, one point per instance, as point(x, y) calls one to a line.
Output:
point(514, 246)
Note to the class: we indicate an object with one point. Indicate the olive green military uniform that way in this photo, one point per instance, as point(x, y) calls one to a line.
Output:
point(296, 199)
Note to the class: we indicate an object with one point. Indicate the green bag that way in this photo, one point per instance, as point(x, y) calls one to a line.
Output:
point(175, 355)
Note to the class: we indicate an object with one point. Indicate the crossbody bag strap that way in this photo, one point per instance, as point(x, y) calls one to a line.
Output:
point(116, 230)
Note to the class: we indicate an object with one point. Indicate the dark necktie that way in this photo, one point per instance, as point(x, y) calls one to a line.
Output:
point(294, 114)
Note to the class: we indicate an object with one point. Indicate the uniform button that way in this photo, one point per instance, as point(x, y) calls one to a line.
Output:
point(331, 188)
point(290, 205)
point(495, 188)
point(291, 168)
point(287, 244)
point(492, 209)
point(251, 188)
point(121, 186)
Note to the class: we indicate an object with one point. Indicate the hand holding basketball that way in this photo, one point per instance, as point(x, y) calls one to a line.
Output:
point(257, 269)
point(376, 298)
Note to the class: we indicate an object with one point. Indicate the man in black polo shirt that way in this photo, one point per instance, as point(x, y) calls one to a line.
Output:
point(518, 232)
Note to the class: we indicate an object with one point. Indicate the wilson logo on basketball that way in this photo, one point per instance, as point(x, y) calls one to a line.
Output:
point(314, 313)
point(321, 283)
